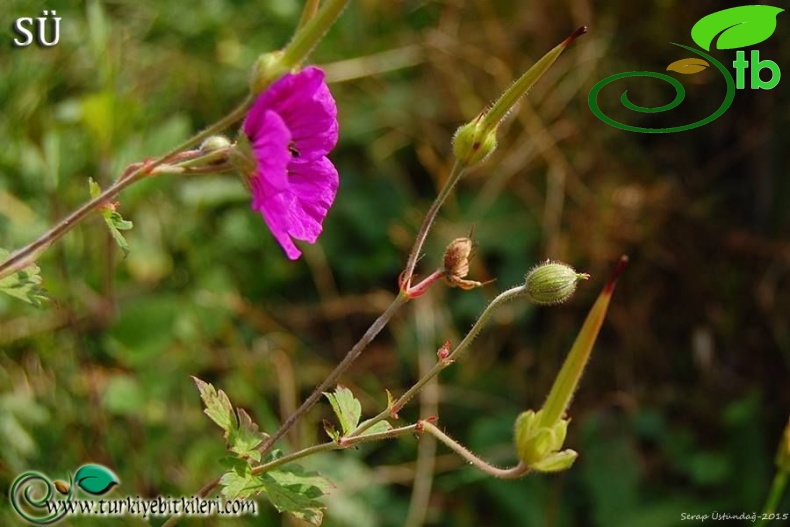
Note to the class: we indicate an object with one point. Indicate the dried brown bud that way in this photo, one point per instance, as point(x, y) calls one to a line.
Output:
point(456, 257)
point(456, 263)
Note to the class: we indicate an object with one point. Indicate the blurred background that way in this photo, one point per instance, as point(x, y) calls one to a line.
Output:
point(684, 400)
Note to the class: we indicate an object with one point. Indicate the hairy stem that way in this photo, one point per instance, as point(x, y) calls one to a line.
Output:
point(503, 473)
point(308, 12)
point(28, 254)
point(333, 377)
point(427, 223)
point(305, 452)
point(459, 350)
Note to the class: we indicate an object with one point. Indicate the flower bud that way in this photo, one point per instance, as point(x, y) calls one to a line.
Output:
point(214, 143)
point(552, 282)
point(472, 142)
point(267, 69)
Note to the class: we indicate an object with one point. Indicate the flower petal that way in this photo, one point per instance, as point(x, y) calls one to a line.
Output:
point(270, 149)
point(276, 213)
point(315, 185)
point(304, 102)
point(292, 126)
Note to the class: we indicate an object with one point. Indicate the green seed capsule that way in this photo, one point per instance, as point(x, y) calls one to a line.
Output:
point(552, 283)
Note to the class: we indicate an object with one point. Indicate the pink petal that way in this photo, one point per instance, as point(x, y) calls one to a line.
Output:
point(270, 149)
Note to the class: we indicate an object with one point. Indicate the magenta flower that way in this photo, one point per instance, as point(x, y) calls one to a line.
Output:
point(291, 128)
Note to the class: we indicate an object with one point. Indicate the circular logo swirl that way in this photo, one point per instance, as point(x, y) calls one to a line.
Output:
point(680, 94)
point(26, 495)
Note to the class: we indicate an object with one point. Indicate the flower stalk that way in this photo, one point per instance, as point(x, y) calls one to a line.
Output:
point(311, 33)
point(459, 350)
point(408, 273)
point(515, 472)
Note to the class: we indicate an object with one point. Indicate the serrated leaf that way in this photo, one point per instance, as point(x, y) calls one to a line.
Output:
point(95, 479)
point(295, 491)
point(688, 66)
point(244, 439)
point(25, 284)
point(218, 406)
point(347, 408)
point(738, 27)
point(113, 219)
point(239, 485)
point(296, 475)
point(234, 463)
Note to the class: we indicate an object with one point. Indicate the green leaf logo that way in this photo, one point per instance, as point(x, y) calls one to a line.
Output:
point(95, 479)
point(688, 66)
point(738, 27)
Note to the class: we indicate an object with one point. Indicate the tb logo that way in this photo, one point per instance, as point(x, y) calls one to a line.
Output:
point(738, 27)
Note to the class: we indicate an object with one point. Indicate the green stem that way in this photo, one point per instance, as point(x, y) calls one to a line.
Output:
point(313, 31)
point(308, 12)
point(28, 254)
point(427, 223)
point(503, 473)
point(462, 347)
point(774, 496)
point(305, 452)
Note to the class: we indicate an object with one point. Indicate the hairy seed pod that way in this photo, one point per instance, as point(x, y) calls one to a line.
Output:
point(552, 282)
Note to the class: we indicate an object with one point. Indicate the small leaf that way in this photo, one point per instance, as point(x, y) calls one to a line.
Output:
point(738, 27)
point(239, 485)
point(113, 219)
point(381, 426)
point(234, 463)
point(295, 491)
point(25, 284)
point(95, 479)
point(688, 66)
point(331, 431)
point(291, 490)
point(218, 406)
point(244, 439)
point(314, 483)
point(347, 408)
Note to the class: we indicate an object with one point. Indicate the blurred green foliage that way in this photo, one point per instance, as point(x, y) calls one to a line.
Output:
point(686, 394)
